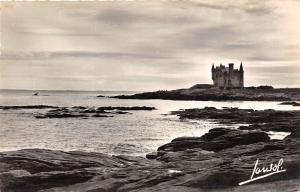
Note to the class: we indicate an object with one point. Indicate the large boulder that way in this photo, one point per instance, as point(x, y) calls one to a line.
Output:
point(216, 139)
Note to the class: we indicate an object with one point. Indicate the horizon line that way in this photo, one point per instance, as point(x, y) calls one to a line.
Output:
point(77, 90)
point(74, 90)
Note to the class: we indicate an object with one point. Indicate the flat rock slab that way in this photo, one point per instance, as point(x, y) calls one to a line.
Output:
point(188, 169)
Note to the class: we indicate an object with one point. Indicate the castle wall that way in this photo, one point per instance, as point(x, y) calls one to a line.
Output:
point(235, 81)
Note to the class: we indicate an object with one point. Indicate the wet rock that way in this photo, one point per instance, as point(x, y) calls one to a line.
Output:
point(91, 110)
point(293, 103)
point(85, 112)
point(294, 134)
point(11, 178)
point(100, 115)
point(265, 120)
point(60, 115)
point(216, 140)
point(234, 138)
point(42, 160)
point(135, 108)
point(79, 107)
point(189, 170)
point(35, 182)
point(60, 112)
point(152, 155)
point(274, 126)
point(235, 115)
point(28, 107)
point(121, 112)
point(216, 132)
point(36, 169)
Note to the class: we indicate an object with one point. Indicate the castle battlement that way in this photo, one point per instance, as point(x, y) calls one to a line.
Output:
point(228, 77)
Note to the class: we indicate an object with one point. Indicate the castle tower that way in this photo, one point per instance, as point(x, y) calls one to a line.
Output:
point(227, 77)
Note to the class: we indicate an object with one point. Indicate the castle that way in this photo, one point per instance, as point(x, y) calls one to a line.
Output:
point(228, 77)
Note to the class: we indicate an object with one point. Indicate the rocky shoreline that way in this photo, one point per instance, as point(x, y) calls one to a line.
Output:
point(217, 161)
point(200, 93)
point(78, 111)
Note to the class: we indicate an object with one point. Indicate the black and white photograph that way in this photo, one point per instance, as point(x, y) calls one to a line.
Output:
point(150, 96)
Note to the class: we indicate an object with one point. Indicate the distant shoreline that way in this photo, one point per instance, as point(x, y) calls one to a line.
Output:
point(204, 92)
point(41, 90)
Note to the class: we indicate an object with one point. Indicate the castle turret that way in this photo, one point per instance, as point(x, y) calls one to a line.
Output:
point(241, 75)
point(241, 67)
point(213, 73)
point(231, 65)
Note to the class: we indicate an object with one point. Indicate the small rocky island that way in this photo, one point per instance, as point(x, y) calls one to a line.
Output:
point(228, 84)
point(217, 161)
point(78, 111)
point(205, 92)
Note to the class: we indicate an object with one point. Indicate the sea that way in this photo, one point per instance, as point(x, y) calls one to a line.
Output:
point(137, 133)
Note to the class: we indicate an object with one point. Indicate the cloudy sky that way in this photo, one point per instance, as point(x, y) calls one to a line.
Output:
point(142, 45)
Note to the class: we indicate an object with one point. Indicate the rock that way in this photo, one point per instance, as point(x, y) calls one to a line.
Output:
point(135, 108)
point(121, 112)
point(34, 182)
point(216, 132)
point(234, 138)
point(188, 170)
point(99, 115)
point(36, 169)
point(60, 115)
point(85, 112)
point(265, 120)
point(293, 103)
point(235, 115)
point(294, 134)
point(216, 140)
point(28, 107)
point(288, 126)
point(79, 107)
point(152, 155)
point(11, 177)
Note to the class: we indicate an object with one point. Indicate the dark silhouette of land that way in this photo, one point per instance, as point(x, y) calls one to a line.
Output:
point(205, 92)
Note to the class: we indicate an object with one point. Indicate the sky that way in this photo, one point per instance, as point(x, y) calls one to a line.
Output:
point(147, 45)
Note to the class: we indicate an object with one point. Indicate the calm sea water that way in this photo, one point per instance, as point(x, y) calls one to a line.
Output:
point(131, 134)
